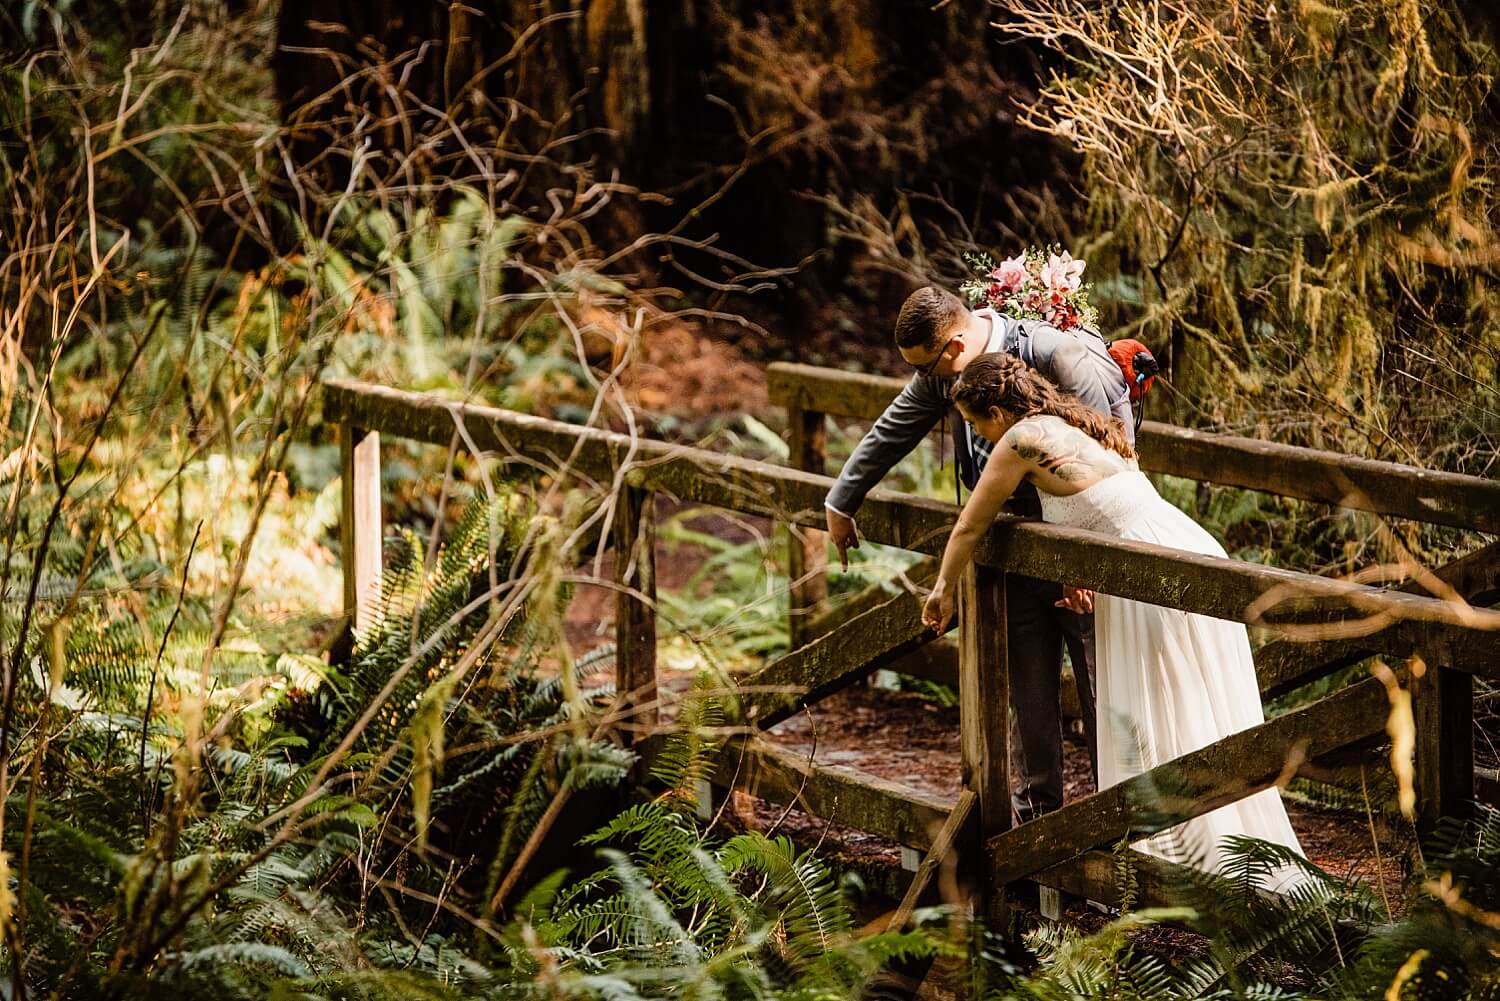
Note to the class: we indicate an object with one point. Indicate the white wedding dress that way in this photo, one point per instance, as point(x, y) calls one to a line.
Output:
point(1169, 681)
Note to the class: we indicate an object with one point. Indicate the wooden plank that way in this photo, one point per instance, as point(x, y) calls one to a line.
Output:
point(1443, 710)
point(831, 792)
point(359, 523)
point(842, 394)
point(807, 548)
point(913, 818)
point(1475, 577)
point(984, 719)
point(1094, 875)
point(1286, 664)
point(1393, 622)
point(1386, 488)
point(936, 661)
point(884, 634)
point(942, 847)
point(635, 607)
point(1204, 584)
point(1192, 785)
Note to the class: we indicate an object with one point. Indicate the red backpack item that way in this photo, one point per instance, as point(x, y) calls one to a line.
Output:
point(1138, 364)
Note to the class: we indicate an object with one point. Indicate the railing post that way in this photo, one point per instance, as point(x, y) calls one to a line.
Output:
point(635, 608)
point(984, 726)
point(1443, 710)
point(807, 549)
point(359, 524)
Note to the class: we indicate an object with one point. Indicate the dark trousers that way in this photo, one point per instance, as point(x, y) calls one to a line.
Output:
point(1038, 631)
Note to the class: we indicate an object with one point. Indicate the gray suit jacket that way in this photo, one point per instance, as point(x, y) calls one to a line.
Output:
point(1076, 360)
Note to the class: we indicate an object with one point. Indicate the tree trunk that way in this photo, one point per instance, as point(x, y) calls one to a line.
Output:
point(851, 102)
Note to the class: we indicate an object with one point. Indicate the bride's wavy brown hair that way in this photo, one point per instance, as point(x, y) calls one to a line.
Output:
point(1001, 380)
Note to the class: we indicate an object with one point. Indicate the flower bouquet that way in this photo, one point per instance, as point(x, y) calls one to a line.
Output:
point(1037, 284)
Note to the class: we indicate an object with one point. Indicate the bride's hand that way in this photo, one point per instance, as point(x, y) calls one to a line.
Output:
point(939, 608)
point(1076, 599)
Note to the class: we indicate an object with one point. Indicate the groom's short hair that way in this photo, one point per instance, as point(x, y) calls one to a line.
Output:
point(928, 314)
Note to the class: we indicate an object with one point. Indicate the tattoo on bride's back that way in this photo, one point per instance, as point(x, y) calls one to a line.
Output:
point(1051, 450)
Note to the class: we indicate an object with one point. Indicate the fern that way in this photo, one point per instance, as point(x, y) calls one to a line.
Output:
point(687, 756)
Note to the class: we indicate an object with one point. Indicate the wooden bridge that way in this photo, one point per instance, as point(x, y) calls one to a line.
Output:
point(1436, 624)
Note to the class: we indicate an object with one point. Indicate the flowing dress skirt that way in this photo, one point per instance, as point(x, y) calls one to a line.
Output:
point(1170, 682)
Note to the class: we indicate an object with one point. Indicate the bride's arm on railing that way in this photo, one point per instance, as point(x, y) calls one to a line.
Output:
point(1002, 474)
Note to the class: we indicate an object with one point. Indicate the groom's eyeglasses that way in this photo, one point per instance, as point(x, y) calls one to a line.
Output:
point(926, 370)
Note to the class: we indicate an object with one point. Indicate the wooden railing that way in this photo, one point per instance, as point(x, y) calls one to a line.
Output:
point(811, 394)
point(1062, 849)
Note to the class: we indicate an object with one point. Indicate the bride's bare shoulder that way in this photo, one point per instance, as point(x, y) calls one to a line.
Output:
point(1028, 437)
point(1053, 445)
point(1035, 434)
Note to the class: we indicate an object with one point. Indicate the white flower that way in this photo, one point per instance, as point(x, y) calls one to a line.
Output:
point(1061, 272)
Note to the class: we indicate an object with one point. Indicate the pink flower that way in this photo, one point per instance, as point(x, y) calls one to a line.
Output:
point(1061, 272)
point(1011, 274)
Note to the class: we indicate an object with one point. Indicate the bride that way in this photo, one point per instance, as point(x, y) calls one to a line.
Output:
point(1169, 681)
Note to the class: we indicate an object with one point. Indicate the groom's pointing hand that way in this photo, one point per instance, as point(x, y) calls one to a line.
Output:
point(843, 533)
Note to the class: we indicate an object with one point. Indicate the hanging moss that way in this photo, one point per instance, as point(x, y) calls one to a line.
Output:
point(1302, 191)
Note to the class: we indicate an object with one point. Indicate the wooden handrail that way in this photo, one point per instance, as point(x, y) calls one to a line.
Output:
point(1287, 664)
point(1229, 589)
point(1385, 488)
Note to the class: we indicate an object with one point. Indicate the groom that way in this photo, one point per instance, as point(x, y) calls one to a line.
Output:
point(938, 336)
